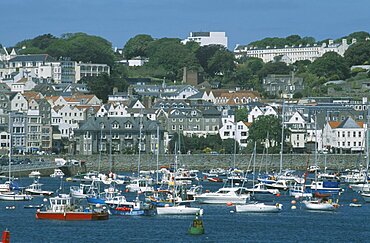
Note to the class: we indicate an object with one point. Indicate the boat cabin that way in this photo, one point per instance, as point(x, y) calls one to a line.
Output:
point(60, 203)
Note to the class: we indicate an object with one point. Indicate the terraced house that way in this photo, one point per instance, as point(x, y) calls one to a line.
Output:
point(118, 135)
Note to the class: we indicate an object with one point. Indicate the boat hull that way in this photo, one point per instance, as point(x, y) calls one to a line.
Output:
point(220, 199)
point(15, 197)
point(140, 212)
point(72, 216)
point(319, 206)
point(257, 208)
point(179, 210)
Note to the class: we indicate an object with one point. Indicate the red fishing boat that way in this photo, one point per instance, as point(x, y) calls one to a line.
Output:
point(61, 208)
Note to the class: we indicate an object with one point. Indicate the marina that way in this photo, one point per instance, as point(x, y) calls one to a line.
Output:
point(219, 220)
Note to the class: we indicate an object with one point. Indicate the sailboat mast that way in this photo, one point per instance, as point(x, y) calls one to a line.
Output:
point(282, 138)
point(316, 147)
point(367, 145)
point(140, 125)
point(10, 146)
point(157, 151)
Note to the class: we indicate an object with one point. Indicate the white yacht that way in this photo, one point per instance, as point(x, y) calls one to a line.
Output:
point(179, 210)
point(140, 185)
point(258, 207)
point(35, 189)
point(235, 195)
point(57, 173)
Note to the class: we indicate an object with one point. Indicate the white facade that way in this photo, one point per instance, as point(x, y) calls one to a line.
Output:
point(239, 132)
point(207, 38)
point(19, 103)
point(292, 54)
point(260, 111)
point(346, 136)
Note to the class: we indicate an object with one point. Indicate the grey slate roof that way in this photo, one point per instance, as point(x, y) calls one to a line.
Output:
point(348, 123)
point(33, 58)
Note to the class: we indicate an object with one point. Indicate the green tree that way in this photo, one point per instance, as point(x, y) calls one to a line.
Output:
point(241, 114)
point(330, 66)
point(274, 68)
point(171, 55)
point(137, 46)
point(266, 128)
point(101, 85)
point(221, 63)
point(358, 54)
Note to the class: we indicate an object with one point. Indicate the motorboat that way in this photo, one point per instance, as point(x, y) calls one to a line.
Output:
point(258, 207)
point(82, 191)
point(15, 196)
point(179, 210)
point(35, 189)
point(108, 194)
point(61, 208)
point(140, 185)
point(235, 195)
point(120, 206)
point(57, 173)
point(320, 205)
point(313, 168)
point(193, 191)
point(34, 173)
point(299, 190)
point(361, 187)
point(279, 184)
point(331, 187)
point(366, 196)
point(37, 206)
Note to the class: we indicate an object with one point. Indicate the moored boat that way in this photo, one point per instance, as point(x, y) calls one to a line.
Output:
point(120, 206)
point(35, 189)
point(14, 196)
point(258, 207)
point(179, 210)
point(61, 208)
point(320, 205)
point(235, 195)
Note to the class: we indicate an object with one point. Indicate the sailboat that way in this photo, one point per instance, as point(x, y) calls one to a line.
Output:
point(176, 208)
point(14, 194)
point(254, 206)
point(318, 187)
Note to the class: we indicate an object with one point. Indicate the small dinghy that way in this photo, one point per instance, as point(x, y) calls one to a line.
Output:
point(355, 205)
point(37, 206)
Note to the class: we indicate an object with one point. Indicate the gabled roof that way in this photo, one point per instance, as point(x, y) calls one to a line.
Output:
point(350, 123)
point(334, 124)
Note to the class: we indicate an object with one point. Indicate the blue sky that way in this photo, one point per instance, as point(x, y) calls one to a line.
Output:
point(242, 20)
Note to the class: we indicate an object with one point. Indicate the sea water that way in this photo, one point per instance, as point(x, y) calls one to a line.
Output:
point(222, 224)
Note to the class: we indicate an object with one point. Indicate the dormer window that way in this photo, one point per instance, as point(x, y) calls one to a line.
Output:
point(128, 125)
point(115, 125)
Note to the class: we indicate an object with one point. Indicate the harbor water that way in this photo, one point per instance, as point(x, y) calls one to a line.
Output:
point(347, 224)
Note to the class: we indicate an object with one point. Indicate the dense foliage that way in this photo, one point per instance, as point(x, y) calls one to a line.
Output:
point(168, 57)
point(209, 144)
point(77, 46)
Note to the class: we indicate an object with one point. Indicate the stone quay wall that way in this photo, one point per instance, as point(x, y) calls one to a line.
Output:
point(205, 162)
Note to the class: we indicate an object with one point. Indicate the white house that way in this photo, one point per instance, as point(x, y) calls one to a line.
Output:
point(345, 136)
point(297, 131)
point(19, 103)
point(239, 132)
point(207, 38)
point(261, 111)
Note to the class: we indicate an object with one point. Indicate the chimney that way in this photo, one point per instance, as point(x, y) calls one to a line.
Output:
point(115, 90)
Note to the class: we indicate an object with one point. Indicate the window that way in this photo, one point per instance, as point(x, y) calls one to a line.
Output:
point(354, 134)
point(349, 134)
point(342, 134)
point(354, 144)
point(359, 134)
point(343, 144)
point(173, 127)
point(226, 134)
point(359, 144)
